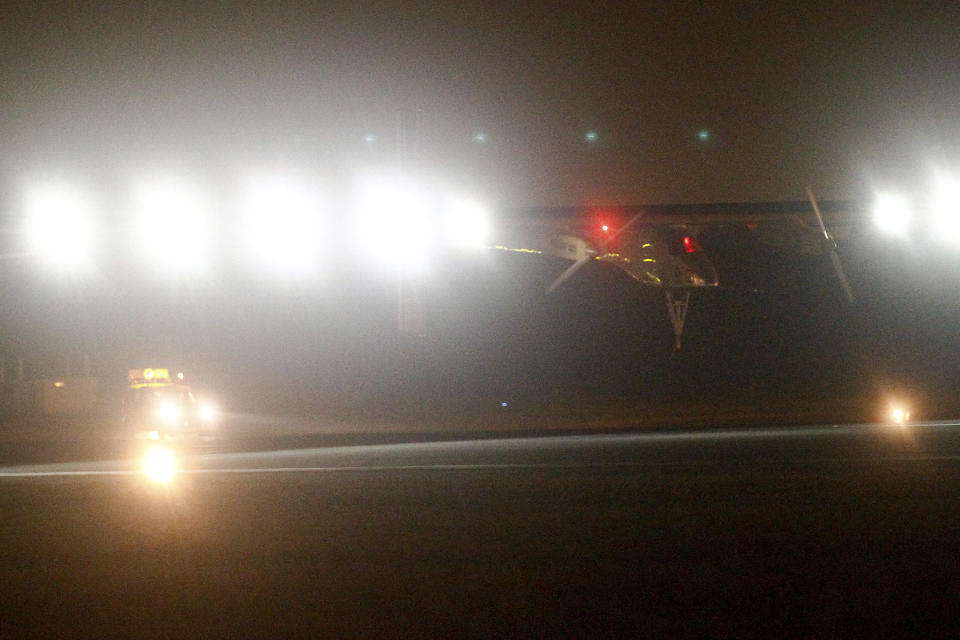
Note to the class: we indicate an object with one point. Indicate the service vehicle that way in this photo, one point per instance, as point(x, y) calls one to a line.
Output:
point(160, 407)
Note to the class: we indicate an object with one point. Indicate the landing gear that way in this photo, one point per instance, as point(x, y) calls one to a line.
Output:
point(677, 306)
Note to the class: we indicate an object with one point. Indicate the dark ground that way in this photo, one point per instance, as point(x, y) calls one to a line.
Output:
point(845, 532)
point(820, 533)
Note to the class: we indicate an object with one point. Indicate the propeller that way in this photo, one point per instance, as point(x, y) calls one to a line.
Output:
point(576, 266)
point(832, 245)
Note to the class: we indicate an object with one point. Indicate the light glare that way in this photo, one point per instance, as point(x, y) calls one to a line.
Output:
point(171, 226)
point(892, 214)
point(159, 464)
point(207, 412)
point(899, 414)
point(467, 224)
point(282, 226)
point(58, 226)
point(169, 412)
point(945, 208)
point(393, 223)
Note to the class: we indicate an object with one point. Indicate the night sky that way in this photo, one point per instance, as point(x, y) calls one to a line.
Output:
point(688, 102)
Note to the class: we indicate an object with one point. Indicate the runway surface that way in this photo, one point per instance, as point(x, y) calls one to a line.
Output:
point(805, 532)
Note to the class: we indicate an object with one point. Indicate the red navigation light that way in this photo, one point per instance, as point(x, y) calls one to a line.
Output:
point(690, 245)
point(601, 222)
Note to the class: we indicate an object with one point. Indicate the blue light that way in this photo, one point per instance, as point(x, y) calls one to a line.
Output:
point(480, 137)
point(591, 136)
point(369, 139)
point(704, 135)
point(504, 404)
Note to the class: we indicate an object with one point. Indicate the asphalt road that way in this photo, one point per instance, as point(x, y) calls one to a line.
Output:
point(814, 532)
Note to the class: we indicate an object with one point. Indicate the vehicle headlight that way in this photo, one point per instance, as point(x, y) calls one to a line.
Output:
point(169, 412)
point(159, 464)
point(899, 414)
point(207, 412)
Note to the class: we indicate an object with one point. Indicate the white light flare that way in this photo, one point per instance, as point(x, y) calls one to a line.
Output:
point(394, 225)
point(159, 464)
point(945, 209)
point(899, 414)
point(207, 412)
point(171, 226)
point(892, 214)
point(58, 226)
point(169, 413)
point(467, 224)
point(281, 225)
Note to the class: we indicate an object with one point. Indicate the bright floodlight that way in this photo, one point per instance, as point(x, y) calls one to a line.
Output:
point(58, 226)
point(168, 412)
point(945, 208)
point(159, 464)
point(393, 223)
point(892, 214)
point(899, 414)
point(467, 224)
point(281, 225)
point(171, 226)
point(207, 412)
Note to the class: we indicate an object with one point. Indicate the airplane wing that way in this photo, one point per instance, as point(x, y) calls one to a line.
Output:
point(657, 244)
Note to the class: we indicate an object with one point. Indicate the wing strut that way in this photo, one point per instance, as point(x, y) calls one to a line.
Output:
point(677, 308)
point(832, 248)
point(576, 266)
